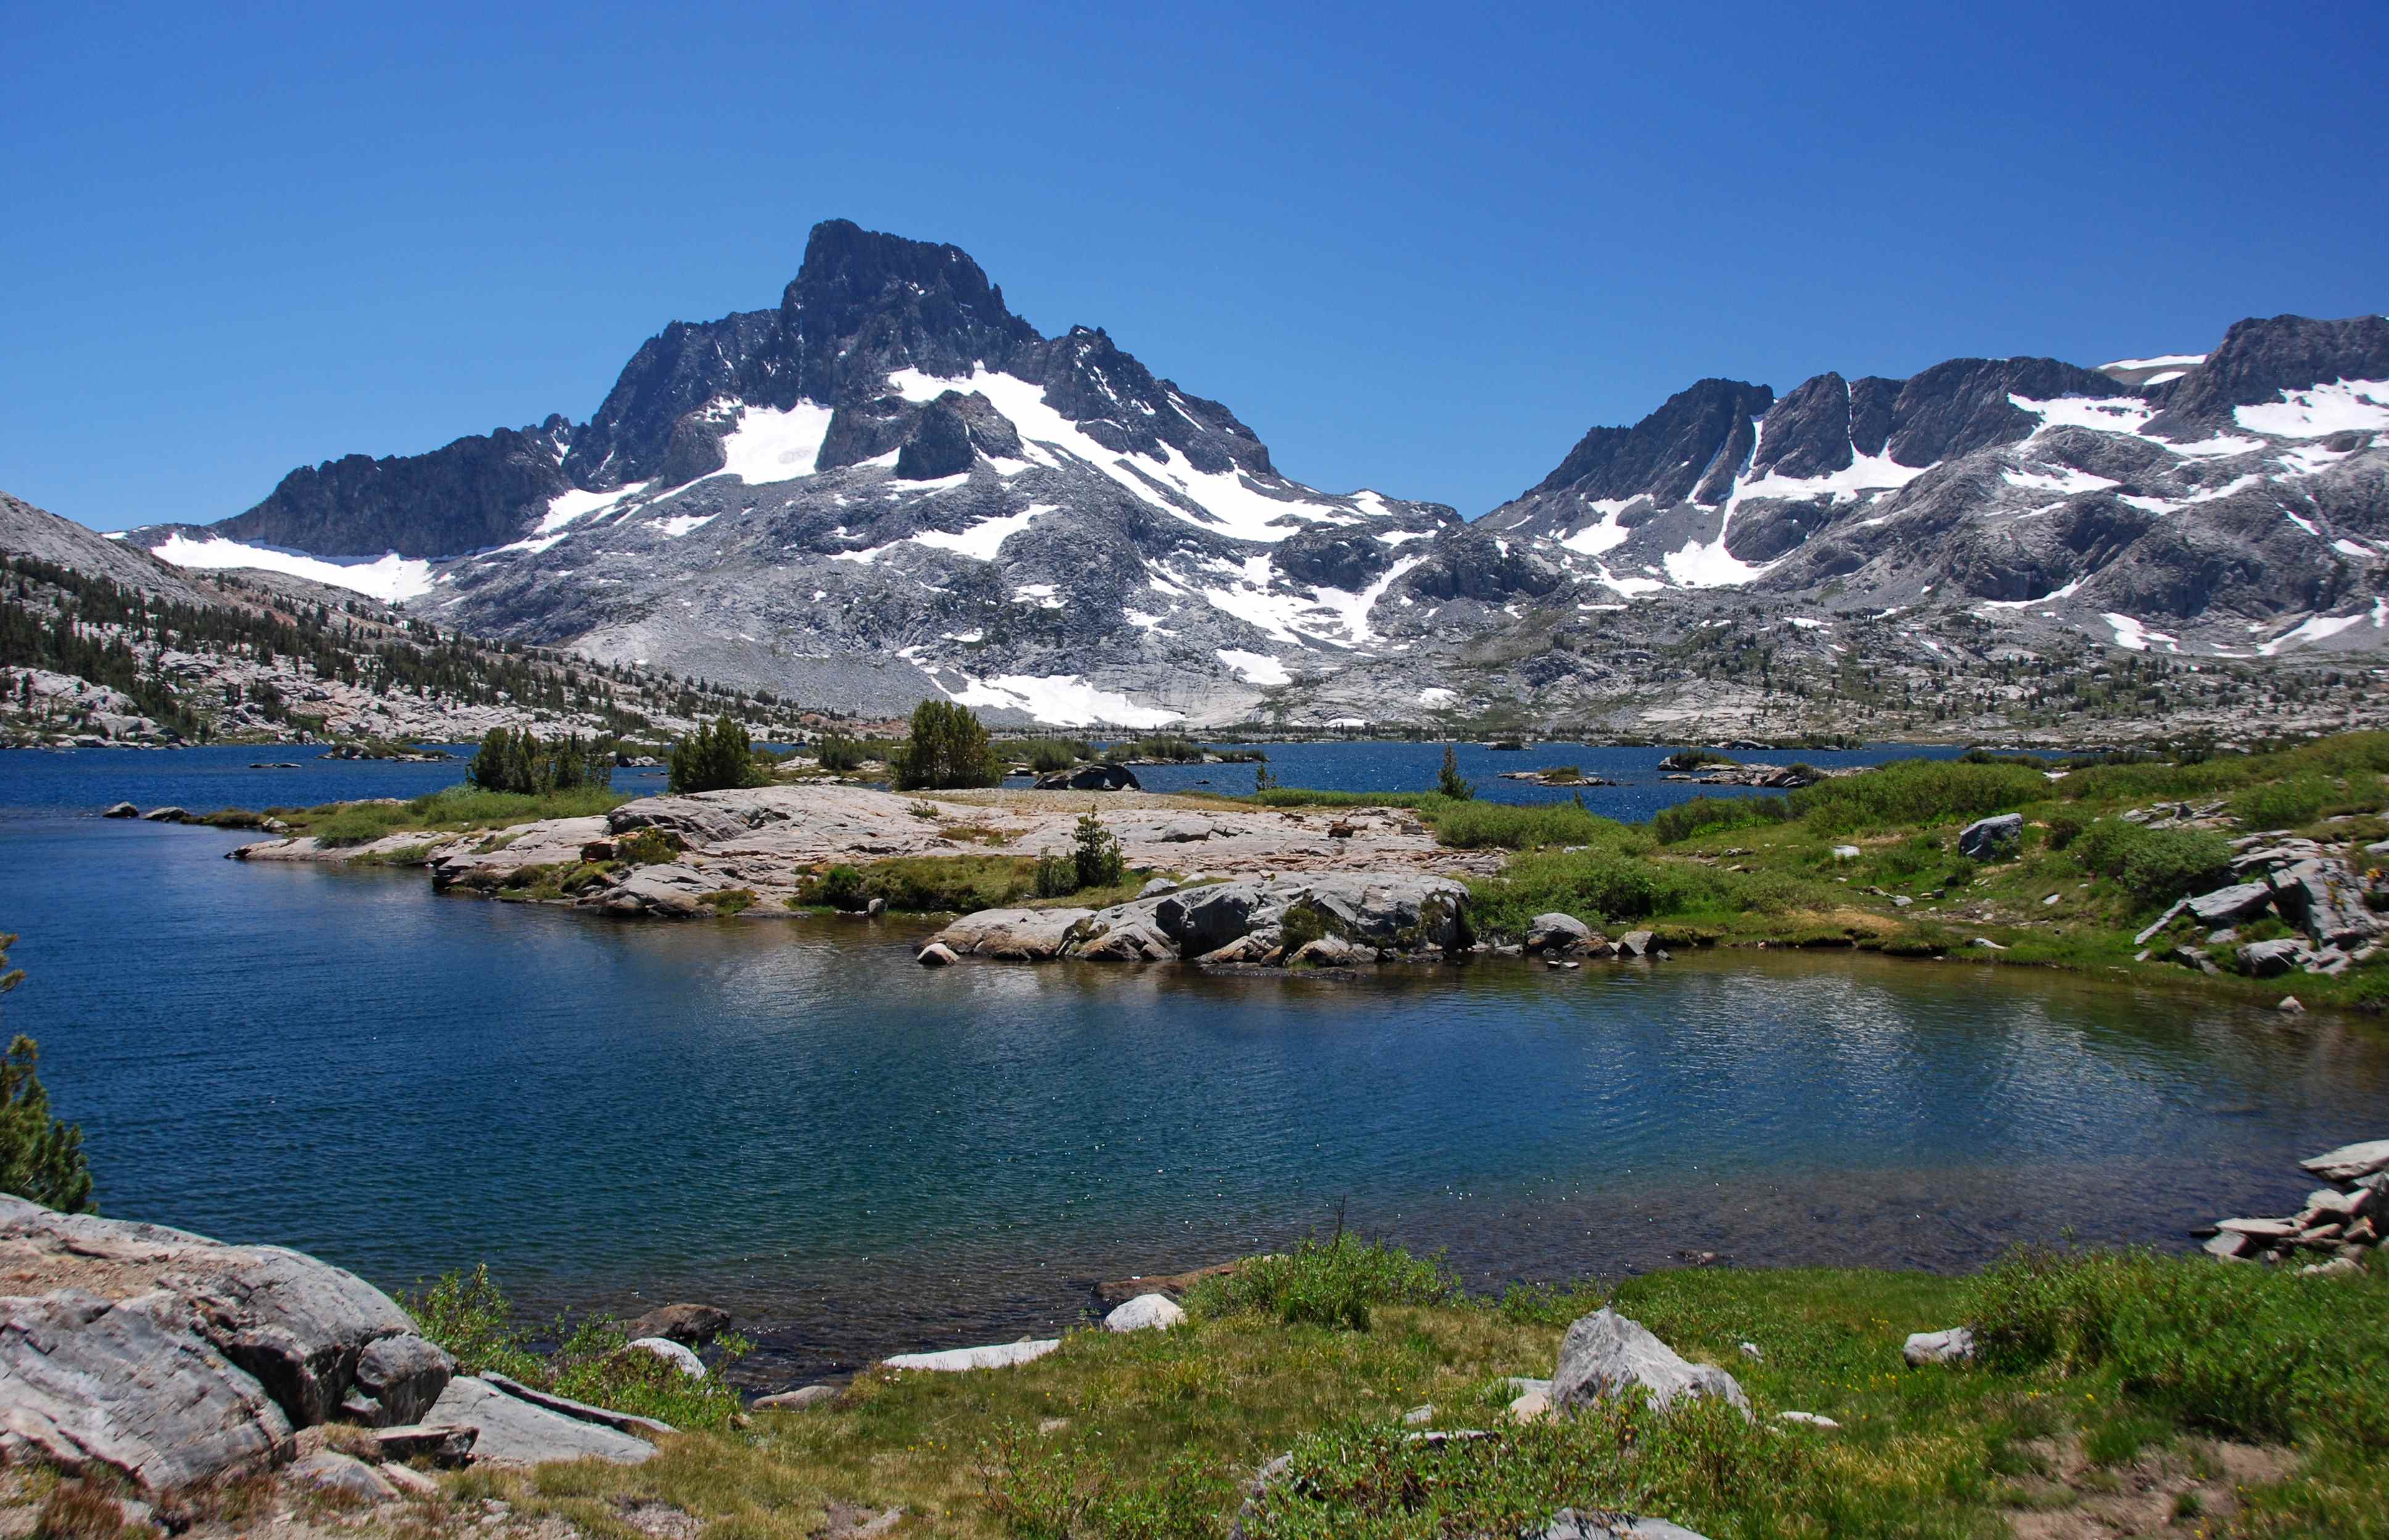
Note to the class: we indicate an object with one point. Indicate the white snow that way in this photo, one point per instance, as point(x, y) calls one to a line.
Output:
point(1039, 595)
point(680, 524)
point(2165, 377)
point(2064, 479)
point(1807, 624)
point(1229, 503)
point(1435, 697)
point(2204, 494)
point(981, 540)
point(1865, 473)
point(2105, 414)
point(1331, 615)
point(2134, 637)
point(770, 445)
point(2349, 548)
point(1060, 700)
point(2347, 405)
point(2222, 446)
point(570, 507)
point(1141, 620)
point(392, 579)
point(1254, 668)
point(1607, 534)
point(2310, 459)
point(2315, 629)
point(2163, 361)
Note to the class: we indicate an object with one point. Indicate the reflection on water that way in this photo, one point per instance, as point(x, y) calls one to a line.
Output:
point(791, 1118)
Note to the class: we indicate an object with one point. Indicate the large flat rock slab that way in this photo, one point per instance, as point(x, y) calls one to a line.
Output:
point(132, 1386)
point(515, 1432)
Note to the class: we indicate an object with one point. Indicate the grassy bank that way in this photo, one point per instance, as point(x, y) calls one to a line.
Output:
point(1872, 860)
point(2200, 1397)
point(457, 809)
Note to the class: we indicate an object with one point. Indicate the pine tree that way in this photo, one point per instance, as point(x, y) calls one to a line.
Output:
point(714, 758)
point(40, 1157)
point(1448, 781)
point(947, 747)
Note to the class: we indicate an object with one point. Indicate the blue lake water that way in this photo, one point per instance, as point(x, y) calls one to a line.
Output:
point(858, 1155)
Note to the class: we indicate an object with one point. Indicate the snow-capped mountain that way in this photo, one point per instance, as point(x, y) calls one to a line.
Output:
point(2224, 504)
point(890, 487)
point(887, 488)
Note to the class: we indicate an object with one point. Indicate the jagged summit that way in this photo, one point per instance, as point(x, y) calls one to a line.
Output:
point(890, 487)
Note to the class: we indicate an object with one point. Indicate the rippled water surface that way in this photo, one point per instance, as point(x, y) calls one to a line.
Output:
point(857, 1154)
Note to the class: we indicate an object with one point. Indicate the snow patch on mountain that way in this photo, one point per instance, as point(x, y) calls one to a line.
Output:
point(1225, 503)
point(2343, 407)
point(390, 579)
point(981, 541)
point(772, 445)
point(1059, 700)
point(1254, 667)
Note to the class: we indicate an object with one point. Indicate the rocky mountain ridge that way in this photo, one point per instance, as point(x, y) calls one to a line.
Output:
point(889, 487)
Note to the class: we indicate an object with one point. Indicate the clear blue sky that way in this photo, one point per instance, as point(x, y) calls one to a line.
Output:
point(1413, 248)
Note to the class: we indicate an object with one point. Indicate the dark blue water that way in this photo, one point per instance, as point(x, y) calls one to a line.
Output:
point(1644, 789)
point(856, 1154)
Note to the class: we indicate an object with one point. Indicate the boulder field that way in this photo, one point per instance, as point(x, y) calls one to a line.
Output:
point(1326, 920)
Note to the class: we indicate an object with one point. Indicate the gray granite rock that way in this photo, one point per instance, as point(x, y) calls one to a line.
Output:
point(513, 1431)
point(1604, 1354)
point(131, 1386)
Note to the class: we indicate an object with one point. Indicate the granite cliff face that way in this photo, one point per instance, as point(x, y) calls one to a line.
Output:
point(890, 487)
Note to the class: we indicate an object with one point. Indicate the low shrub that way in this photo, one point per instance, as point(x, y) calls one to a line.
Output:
point(2248, 1352)
point(1916, 792)
point(839, 753)
point(2065, 826)
point(470, 1315)
point(2155, 865)
point(1332, 1283)
point(1307, 796)
point(839, 887)
point(1510, 826)
point(1706, 814)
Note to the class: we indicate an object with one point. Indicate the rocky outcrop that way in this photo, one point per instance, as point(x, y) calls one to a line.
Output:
point(251, 1342)
point(2307, 885)
point(2334, 1229)
point(175, 1361)
point(1605, 1355)
point(1373, 917)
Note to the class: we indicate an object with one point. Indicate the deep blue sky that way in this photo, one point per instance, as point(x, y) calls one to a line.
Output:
point(1414, 249)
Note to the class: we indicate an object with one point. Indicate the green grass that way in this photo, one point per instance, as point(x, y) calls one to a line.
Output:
point(457, 809)
point(470, 1315)
point(1915, 792)
point(1334, 1285)
point(2073, 895)
point(1157, 1434)
point(1510, 826)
